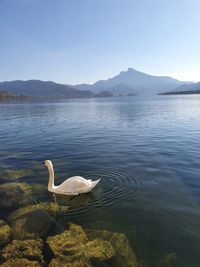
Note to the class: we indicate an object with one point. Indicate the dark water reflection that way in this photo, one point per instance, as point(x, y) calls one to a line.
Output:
point(147, 152)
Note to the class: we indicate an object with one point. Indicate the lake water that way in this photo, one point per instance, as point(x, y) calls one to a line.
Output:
point(146, 150)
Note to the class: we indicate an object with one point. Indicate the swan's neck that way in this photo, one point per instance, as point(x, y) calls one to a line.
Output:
point(51, 178)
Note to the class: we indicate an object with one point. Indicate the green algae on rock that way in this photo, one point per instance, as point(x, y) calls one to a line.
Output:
point(28, 249)
point(14, 195)
point(20, 263)
point(4, 233)
point(124, 255)
point(50, 207)
point(73, 248)
point(11, 175)
point(33, 222)
point(61, 262)
point(169, 260)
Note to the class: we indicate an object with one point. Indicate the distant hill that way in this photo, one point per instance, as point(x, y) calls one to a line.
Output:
point(42, 89)
point(133, 81)
point(190, 88)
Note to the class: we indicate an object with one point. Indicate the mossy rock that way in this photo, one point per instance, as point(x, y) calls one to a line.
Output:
point(33, 222)
point(2, 222)
point(14, 195)
point(50, 207)
point(39, 191)
point(124, 255)
point(21, 263)
point(4, 233)
point(61, 262)
point(28, 249)
point(170, 260)
point(73, 248)
point(11, 175)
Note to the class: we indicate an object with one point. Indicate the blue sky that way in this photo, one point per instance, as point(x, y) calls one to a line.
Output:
point(81, 41)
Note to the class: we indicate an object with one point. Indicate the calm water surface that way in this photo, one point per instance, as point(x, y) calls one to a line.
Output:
point(147, 151)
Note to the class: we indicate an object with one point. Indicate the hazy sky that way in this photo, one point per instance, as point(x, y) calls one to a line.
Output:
point(81, 41)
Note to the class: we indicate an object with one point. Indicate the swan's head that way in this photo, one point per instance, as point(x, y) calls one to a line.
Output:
point(47, 163)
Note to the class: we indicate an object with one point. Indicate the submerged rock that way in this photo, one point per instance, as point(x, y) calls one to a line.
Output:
point(51, 208)
point(4, 233)
point(28, 249)
point(21, 263)
point(11, 175)
point(72, 248)
point(40, 192)
point(61, 262)
point(170, 260)
point(14, 195)
point(124, 255)
point(34, 221)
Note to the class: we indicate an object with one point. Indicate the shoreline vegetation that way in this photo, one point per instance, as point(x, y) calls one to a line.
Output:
point(189, 92)
point(5, 96)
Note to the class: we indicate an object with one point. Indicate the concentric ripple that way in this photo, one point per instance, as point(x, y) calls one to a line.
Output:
point(114, 186)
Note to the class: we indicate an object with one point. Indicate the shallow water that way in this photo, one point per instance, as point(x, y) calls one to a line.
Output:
point(147, 151)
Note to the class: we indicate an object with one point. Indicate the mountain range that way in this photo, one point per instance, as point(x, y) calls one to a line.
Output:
point(42, 89)
point(128, 82)
point(133, 81)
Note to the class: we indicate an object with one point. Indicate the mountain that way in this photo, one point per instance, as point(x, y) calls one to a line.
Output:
point(42, 89)
point(133, 81)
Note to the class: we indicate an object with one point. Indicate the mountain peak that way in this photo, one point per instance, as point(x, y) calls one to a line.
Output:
point(138, 82)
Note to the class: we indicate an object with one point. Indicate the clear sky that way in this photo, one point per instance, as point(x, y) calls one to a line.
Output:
point(81, 41)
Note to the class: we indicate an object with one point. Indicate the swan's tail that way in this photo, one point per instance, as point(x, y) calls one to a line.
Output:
point(94, 183)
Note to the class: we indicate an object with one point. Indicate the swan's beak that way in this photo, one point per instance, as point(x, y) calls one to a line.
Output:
point(44, 164)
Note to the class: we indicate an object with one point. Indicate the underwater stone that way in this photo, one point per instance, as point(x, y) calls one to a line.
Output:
point(2, 223)
point(20, 263)
point(73, 248)
point(124, 255)
point(170, 260)
point(33, 222)
point(11, 175)
point(4, 233)
point(14, 195)
point(59, 262)
point(29, 249)
point(51, 208)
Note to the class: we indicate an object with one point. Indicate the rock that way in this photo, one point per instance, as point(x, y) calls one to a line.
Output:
point(124, 255)
point(73, 248)
point(11, 175)
point(59, 262)
point(4, 233)
point(14, 195)
point(170, 260)
point(51, 208)
point(2, 223)
point(34, 222)
point(20, 263)
point(28, 249)
point(40, 192)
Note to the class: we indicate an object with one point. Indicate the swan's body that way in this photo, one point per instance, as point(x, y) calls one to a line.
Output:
point(72, 186)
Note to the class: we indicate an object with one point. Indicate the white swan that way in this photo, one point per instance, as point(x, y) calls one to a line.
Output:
point(72, 186)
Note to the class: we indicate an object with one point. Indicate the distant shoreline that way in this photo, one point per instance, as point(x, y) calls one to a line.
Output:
point(189, 92)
